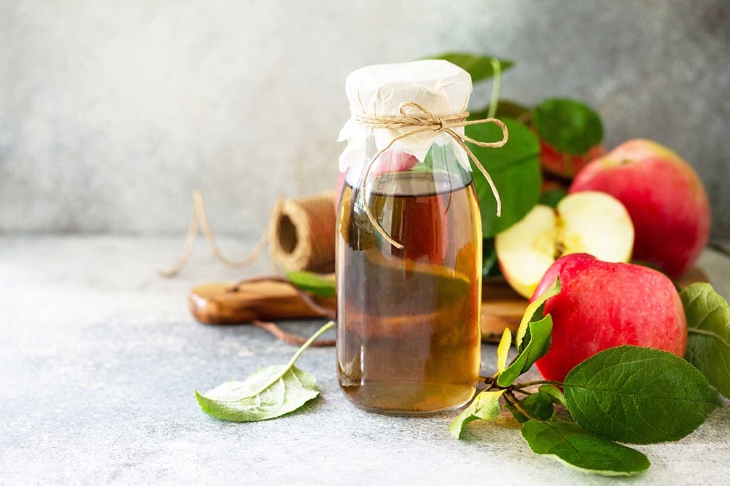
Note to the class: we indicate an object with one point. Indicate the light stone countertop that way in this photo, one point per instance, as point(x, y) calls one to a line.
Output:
point(100, 359)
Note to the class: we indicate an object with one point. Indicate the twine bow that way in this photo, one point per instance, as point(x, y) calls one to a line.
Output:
point(424, 122)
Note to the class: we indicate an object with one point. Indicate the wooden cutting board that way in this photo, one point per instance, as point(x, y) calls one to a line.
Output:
point(262, 300)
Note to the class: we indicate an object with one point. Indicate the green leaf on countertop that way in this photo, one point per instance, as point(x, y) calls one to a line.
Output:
point(538, 405)
point(537, 341)
point(576, 448)
point(569, 126)
point(638, 395)
point(515, 170)
point(555, 394)
point(314, 283)
point(484, 407)
point(268, 393)
point(708, 340)
point(552, 197)
point(478, 67)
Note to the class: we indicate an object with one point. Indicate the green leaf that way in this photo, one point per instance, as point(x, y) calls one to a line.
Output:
point(537, 344)
point(552, 197)
point(638, 395)
point(538, 405)
point(554, 393)
point(515, 170)
point(505, 109)
point(268, 393)
point(478, 67)
point(503, 350)
point(569, 444)
point(484, 407)
point(314, 283)
point(533, 337)
point(569, 126)
point(536, 310)
point(708, 342)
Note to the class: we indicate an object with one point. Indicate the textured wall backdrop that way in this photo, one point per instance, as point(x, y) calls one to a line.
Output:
point(112, 112)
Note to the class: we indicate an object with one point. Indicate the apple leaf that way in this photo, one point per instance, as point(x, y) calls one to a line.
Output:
point(478, 67)
point(484, 407)
point(537, 342)
point(638, 395)
point(515, 170)
point(505, 109)
point(555, 394)
point(503, 350)
point(533, 337)
point(571, 445)
point(536, 310)
point(708, 341)
point(569, 126)
point(314, 283)
point(538, 405)
point(268, 393)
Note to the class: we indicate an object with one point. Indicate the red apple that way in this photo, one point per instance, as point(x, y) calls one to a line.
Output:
point(664, 196)
point(603, 305)
point(566, 165)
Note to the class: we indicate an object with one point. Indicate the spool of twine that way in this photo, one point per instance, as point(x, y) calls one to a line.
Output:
point(300, 233)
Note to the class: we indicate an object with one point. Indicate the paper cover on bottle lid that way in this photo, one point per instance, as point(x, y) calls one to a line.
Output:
point(439, 86)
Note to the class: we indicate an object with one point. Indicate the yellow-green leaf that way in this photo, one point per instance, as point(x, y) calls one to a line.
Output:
point(536, 344)
point(484, 407)
point(503, 350)
point(532, 311)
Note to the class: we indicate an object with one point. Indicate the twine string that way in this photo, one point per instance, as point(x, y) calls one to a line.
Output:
point(199, 220)
point(426, 121)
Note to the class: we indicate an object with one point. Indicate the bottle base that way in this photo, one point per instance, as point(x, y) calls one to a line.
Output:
point(409, 399)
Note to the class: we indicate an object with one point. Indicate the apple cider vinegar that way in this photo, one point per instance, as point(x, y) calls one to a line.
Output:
point(408, 338)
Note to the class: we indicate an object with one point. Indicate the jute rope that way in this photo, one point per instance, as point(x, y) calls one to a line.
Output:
point(426, 121)
point(301, 233)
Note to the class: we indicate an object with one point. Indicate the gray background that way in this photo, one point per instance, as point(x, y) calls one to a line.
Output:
point(112, 112)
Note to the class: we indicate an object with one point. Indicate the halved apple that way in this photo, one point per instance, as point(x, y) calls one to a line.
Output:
point(585, 222)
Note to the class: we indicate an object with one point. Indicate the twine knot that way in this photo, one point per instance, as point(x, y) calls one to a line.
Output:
point(422, 120)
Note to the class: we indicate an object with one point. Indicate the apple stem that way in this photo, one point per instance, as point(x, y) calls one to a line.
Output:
point(509, 396)
point(537, 382)
point(496, 88)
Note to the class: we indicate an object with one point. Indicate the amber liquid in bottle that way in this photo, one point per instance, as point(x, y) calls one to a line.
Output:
point(408, 319)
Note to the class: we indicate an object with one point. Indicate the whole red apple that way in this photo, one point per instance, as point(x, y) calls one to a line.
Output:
point(664, 197)
point(566, 165)
point(603, 305)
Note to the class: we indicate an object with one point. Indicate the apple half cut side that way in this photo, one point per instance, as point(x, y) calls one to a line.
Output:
point(585, 222)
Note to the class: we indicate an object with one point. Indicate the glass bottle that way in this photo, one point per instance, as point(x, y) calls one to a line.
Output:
point(408, 335)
